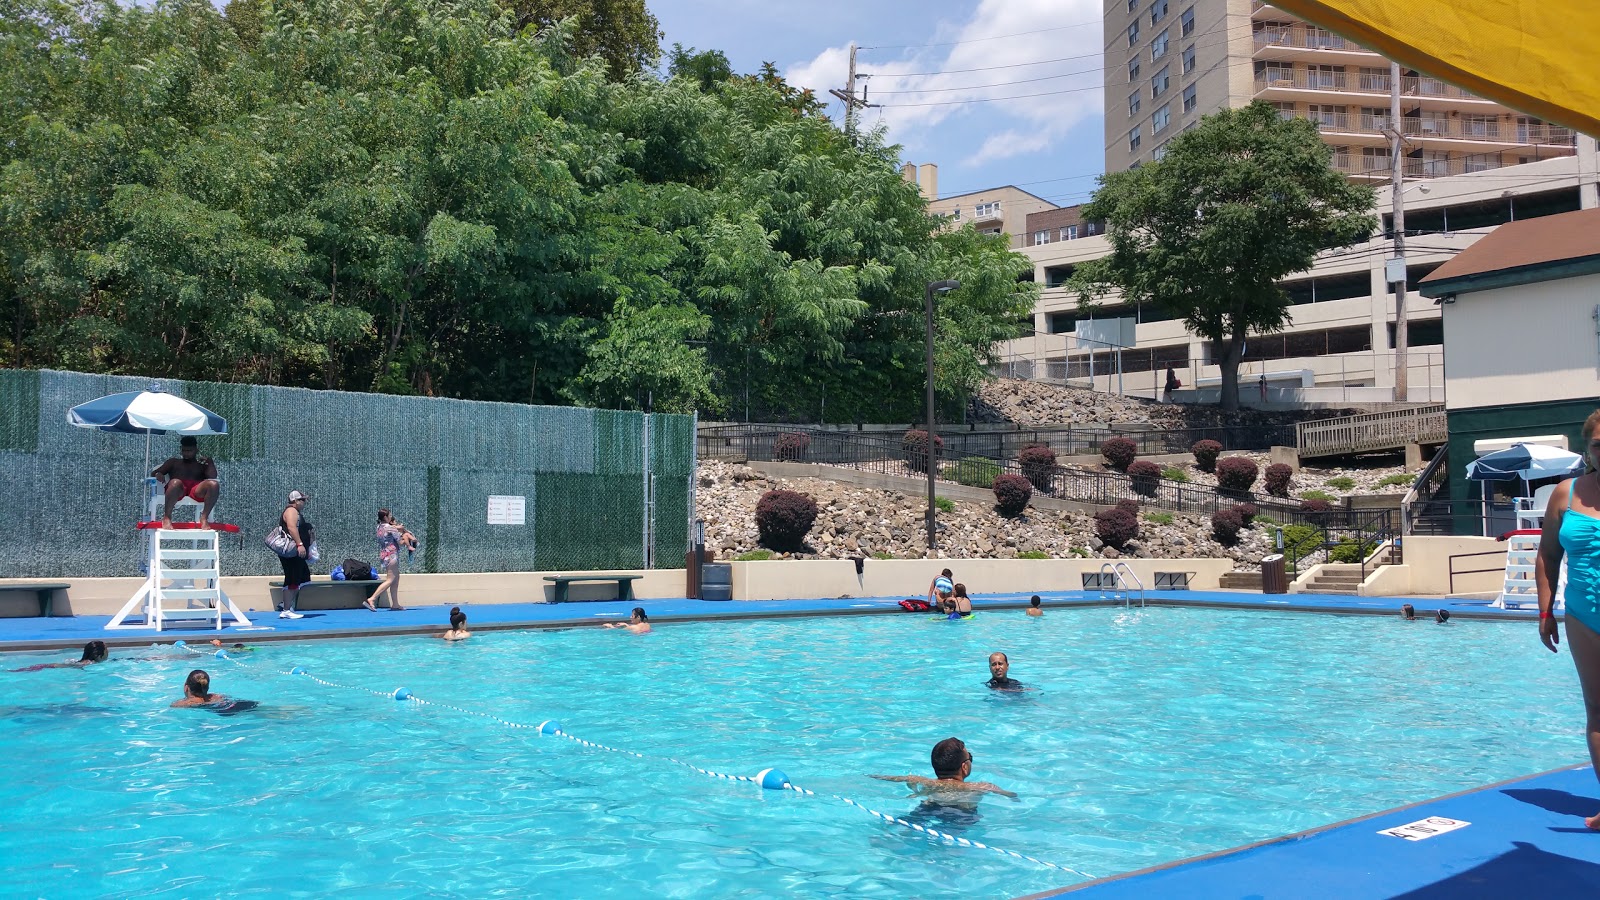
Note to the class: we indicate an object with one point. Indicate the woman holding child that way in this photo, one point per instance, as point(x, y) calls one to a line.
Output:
point(392, 535)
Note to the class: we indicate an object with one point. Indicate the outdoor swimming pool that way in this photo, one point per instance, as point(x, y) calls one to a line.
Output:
point(1156, 735)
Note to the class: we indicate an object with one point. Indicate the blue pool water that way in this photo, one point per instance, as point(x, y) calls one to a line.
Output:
point(1153, 736)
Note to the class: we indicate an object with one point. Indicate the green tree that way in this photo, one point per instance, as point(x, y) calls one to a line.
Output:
point(1207, 232)
point(707, 69)
point(621, 32)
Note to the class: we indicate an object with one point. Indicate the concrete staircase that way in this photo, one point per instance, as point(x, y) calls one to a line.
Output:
point(1241, 581)
point(1336, 578)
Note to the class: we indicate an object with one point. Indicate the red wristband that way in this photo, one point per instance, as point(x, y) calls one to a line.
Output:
point(1546, 614)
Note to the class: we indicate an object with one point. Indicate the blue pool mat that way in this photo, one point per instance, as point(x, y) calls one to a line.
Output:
point(32, 633)
point(1526, 839)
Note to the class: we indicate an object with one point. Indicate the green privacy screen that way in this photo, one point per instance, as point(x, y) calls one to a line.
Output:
point(598, 486)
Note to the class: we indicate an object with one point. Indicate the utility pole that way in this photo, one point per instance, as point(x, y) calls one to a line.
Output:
point(849, 98)
point(1395, 271)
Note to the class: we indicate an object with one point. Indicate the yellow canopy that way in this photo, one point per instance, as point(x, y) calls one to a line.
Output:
point(1536, 56)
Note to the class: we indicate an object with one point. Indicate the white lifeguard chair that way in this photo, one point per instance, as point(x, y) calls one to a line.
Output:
point(1520, 590)
point(183, 575)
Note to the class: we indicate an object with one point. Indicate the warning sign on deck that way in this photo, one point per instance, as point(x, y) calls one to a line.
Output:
point(1422, 829)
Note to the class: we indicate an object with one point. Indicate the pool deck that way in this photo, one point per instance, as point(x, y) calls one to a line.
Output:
point(1526, 837)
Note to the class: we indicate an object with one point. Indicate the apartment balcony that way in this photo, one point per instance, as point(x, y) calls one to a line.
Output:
point(1376, 168)
point(1311, 44)
point(1360, 167)
point(1299, 84)
point(1261, 10)
point(1491, 131)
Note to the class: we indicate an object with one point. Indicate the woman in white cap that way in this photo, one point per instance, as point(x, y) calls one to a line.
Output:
point(295, 570)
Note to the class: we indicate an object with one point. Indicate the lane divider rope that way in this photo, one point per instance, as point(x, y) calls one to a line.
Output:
point(771, 779)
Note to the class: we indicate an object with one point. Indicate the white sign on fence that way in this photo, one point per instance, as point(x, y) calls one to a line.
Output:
point(1422, 829)
point(505, 509)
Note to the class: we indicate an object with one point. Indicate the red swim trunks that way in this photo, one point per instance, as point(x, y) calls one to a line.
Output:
point(190, 487)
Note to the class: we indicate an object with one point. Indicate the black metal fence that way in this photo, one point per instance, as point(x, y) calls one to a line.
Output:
point(1065, 440)
point(1339, 536)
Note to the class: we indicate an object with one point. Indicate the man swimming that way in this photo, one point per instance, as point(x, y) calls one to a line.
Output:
point(638, 623)
point(999, 665)
point(952, 764)
point(197, 690)
point(1033, 606)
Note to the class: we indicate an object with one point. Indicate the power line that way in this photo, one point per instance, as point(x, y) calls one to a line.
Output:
point(980, 87)
point(1094, 87)
point(996, 37)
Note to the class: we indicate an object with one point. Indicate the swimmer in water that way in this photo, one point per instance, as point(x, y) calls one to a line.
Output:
point(939, 592)
point(638, 623)
point(963, 603)
point(458, 626)
point(197, 690)
point(952, 765)
point(93, 652)
point(999, 665)
point(1408, 612)
point(1033, 606)
point(232, 649)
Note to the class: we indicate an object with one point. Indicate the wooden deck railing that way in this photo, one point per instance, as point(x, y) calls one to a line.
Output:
point(1371, 431)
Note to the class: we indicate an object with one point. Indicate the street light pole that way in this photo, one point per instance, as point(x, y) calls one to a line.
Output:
point(1397, 278)
point(935, 287)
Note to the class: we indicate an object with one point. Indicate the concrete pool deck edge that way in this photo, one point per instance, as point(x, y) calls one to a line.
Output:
point(22, 634)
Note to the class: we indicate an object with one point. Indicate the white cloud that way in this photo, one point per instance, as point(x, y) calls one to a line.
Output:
point(1047, 101)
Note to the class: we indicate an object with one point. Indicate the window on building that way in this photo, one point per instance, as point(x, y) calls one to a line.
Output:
point(1325, 77)
point(1375, 119)
point(1319, 38)
point(1133, 33)
point(1188, 59)
point(1424, 333)
point(1478, 162)
point(1158, 11)
point(1480, 126)
point(1133, 70)
point(1374, 79)
point(1159, 83)
point(1159, 153)
point(1090, 229)
point(1285, 109)
point(1161, 119)
point(986, 210)
point(1069, 233)
point(1133, 5)
point(1326, 116)
point(1430, 122)
point(1374, 159)
point(1275, 74)
point(1158, 47)
point(956, 214)
point(1133, 140)
point(1190, 99)
point(1133, 103)
point(1040, 238)
point(1186, 21)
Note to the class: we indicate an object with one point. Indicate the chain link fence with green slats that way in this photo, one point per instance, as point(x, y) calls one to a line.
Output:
point(588, 477)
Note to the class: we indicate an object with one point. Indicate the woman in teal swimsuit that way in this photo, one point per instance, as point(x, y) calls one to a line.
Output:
point(1572, 530)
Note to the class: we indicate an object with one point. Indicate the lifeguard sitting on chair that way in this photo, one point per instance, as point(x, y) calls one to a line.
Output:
point(189, 475)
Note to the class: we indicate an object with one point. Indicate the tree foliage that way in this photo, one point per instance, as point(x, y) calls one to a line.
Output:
point(1207, 232)
point(429, 197)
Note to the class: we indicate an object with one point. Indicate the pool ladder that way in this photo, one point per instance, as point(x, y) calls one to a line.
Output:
point(1121, 576)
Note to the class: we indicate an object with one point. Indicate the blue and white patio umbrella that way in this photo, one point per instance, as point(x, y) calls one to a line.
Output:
point(1529, 462)
point(146, 412)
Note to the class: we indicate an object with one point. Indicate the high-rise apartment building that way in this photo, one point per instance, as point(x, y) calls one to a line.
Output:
point(1169, 62)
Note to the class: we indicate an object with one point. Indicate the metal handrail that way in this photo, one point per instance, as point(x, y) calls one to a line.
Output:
point(1116, 570)
point(1450, 565)
point(1408, 502)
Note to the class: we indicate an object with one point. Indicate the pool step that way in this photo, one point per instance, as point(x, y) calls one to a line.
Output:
point(1336, 579)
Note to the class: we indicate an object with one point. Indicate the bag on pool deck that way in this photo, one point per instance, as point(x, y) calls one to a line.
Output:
point(356, 570)
point(912, 605)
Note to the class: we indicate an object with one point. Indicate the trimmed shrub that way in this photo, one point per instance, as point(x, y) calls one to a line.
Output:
point(1119, 452)
point(1348, 550)
point(791, 446)
point(1277, 480)
point(1173, 473)
point(1236, 475)
point(1038, 464)
point(1225, 526)
point(1205, 454)
point(1342, 483)
point(1247, 513)
point(973, 471)
point(1011, 494)
point(1144, 477)
point(1316, 508)
point(783, 518)
point(1129, 506)
point(1116, 526)
point(914, 450)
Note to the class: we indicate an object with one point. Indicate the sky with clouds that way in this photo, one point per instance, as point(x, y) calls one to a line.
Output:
point(1034, 66)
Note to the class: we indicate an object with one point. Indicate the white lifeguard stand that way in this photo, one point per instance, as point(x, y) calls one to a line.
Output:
point(1520, 589)
point(183, 575)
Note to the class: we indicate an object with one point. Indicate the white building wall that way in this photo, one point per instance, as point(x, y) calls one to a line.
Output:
point(1552, 352)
